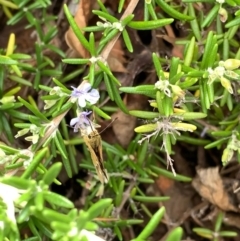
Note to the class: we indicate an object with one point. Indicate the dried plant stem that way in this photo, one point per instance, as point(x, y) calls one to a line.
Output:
point(128, 11)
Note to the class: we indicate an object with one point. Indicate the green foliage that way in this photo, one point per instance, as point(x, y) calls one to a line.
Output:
point(202, 85)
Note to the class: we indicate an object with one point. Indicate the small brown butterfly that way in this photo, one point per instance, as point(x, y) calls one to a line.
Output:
point(93, 141)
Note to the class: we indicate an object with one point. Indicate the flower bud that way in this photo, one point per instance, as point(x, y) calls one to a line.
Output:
point(49, 104)
point(55, 90)
point(7, 99)
point(232, 75)
point(177, 110)
point(22, 132)
point(231, 64)
point(33, 138)
point(227, 155)
point(146, 128)
point(178, 91)
point(223, 15)
point(184, 126)
point(226, 84)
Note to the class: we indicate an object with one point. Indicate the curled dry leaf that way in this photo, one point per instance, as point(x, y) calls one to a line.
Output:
point(218, 191)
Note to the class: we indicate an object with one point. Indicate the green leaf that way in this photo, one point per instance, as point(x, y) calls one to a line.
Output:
point(160, 103)
point(211, 16)
point(146, 128)
point(151, 226)
point(101, 113)
point(219, 222)
point(52, 173)
point(38, 157)
point(106, 69)
point(118, 98)
point(148, 199)
point(17, 182)
point(203, 232)
point(172, 12)
point(234, 22)
point(58, 140)
point(105, 15)
point(107, 37)
point(57, 199)
point(148, 90)
point(20, 80)
point(97, 208)
point(56, 216)
point(35, 111)
point(6, 60)
point(228, 234)
point(165, 173)
point(190, 52)
point(194, 23)
point(7, 127)
point(127, 40)
point(75, 61)
point(108, 86)
point(191, 115)
point(144, 114)
point(215, 143)
point(75, 28)
point(175, 234)
point(148, 25)
point(20, 56)
point(120, 5)
point(119, 196)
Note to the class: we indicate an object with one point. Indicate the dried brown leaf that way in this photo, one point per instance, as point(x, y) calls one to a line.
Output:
point(176, 191)
point(210, 186)
point(125, 124)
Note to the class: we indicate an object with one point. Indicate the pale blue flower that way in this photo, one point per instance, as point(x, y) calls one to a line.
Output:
point(85, 93)
point(81, 121)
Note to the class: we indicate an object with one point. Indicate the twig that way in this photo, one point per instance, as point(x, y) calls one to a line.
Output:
point(129, 10)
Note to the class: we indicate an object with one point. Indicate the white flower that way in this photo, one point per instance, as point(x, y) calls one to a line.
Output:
point(163, 85)
point(85, 93)
point(216, 73)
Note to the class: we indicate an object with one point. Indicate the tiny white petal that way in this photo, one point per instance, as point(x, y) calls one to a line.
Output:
point(93, 96)
point(74, 121)
point(86, 87)
point(82, 101)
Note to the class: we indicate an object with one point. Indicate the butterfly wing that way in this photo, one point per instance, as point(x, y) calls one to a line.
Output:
point(94, 144)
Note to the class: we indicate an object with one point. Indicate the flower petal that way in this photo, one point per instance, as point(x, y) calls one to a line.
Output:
point(82, 101)
point(75, 93)
point(83, 117)
point(86, 87)
point(74, 121)
point(93, 96)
